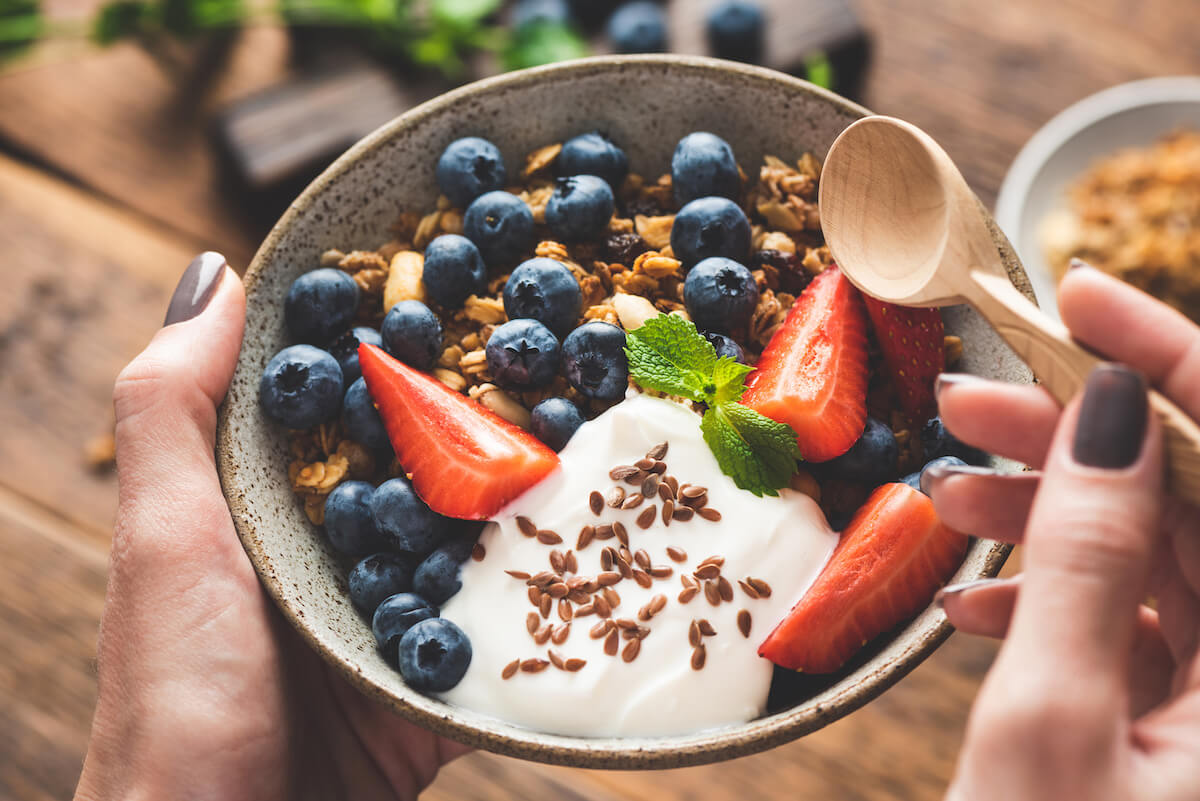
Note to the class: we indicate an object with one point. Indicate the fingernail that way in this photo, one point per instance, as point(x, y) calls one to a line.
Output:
point(956, 591)
point(196, 287)
point(1075, 264)
point(934, 473)
point(952, 380)
point(1112, 418)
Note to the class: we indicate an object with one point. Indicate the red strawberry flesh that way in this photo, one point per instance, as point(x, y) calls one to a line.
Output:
point(913, 345)
point(887, 566)
point(465, 461)
point(813, 373)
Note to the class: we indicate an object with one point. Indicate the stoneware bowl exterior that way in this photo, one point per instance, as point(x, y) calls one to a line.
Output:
point(646, 103)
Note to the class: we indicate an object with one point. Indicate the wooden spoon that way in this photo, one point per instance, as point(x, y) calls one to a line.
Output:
point(904, 227)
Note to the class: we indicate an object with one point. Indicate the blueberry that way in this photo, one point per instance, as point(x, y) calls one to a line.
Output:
point(362, 420)
point(345, 350)
point(839, 520)
point(501, 226)
point(593, 154)
point(871, 459)
point(320, 304)
point(469, 167)
point(301, 387)
point(405, 520)
point(438, 576)
point(537, 12)
point(941, 461)
point(580, 208)
point(394, 617)
point(724, 346)
point(735, 30)
point(434, 655)
point(592, 12)
point(703, 165)
point(710, 226)
point(720, 295)
point(349, 524)
point(638, 27)
point(913, 480)
point(554, 421)
point(544, 290)
point(380, 576)
point(453, 270)
point(413, 334)
point(593, 358)
point(522, 354)
point(936, 440)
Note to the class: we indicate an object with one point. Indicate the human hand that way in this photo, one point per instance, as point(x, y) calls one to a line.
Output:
point(1094, 695)
point(204, 691)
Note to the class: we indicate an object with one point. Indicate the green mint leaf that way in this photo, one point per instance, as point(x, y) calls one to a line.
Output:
point(119, 20)
point(818, 69)
point(463, 13)
point(668, 354)
point(758, 453)
point(543, 43)
point(729, 376)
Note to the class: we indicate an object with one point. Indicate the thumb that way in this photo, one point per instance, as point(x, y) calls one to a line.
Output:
point(165, 403)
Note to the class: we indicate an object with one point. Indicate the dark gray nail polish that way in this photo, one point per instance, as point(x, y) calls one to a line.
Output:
point(1112, 418)
point(196, 287)
point(935, 473)
point(965, 587)
point(952, 379)
point(1075, 264)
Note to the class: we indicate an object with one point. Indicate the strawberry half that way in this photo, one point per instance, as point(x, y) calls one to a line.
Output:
point(912, 341)
point(465, 461)
point(813, 373)
point(890, 561)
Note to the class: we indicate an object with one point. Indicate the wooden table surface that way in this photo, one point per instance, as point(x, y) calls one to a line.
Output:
point(107, 188)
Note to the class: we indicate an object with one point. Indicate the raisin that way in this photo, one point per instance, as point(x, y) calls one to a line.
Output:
point(792, 275)
point(625, 248)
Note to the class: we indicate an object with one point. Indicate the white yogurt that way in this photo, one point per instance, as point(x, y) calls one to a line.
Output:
point(784, 541)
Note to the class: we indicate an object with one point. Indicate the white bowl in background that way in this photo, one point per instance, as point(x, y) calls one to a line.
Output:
point(1129, 115)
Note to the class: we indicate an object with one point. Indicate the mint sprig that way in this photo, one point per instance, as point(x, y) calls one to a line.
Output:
point(668, 354)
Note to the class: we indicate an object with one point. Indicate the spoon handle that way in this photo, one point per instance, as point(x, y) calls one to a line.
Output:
point(1062, 366)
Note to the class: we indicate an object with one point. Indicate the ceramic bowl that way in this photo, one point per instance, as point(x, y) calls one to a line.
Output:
point(646, 103)
point(1130, 115)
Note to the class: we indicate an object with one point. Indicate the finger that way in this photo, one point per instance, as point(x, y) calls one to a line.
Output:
point(980, 501)
point(1126, 325)
point(1091, 537)
point(165, 403)
point(1005, 419)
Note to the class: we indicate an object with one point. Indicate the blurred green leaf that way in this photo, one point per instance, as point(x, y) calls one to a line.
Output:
point(818, 69)
point(120, 19)
point(543, 43)
point(20, 26)
point(462, 13)
point(186, 18)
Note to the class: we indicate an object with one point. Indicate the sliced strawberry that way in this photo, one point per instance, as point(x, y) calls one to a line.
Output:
point(813, 373)
point(465, 461)
point(890, 561)
point(912, 341)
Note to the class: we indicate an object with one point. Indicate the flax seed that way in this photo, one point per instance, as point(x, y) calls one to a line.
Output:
point(532, 621)
point(646, 518)
point(518, 574)
point(694, 634)
point(478, 552)
point(621, 472)
point(764, 589)
point(644, 464)
point(693, 491)
point(547, 537)
point(575, 582)
point(687, 594)
point(626, 623)
point(604, 532)
point(535, 596)
point(695, 503)
point(668, 511)
point(556, 561)
point(719, 561)
point(688, 581)
point(642, 578)
point(545, 605)
point(570, 564)
point(650, 485)
point(637, 478)
point(661, 571)
point(606, 560)
point(707, 571)
point(724, 589)
point(534, 665)
point(642, 557)
point(708, 513)
point(595, 503)
point(621, 534)
point(608, 578)
point(543, 634)
point(510, 669)
point(612, 642)
point(586, 535)
point(706, 628)
point(659, 468)
point(711, 593)
point(626, 570)
point(557, 590)
point(664, 492)
point(565, 610)
point(746, 588)
point(556, 659)
point(676, 553)
point(658, 603)
point(615, 496)
point(612, 597)
point(633, 501)
point(631, 650)
point(743, 622)
point(644, 613)
point(698, 656)
point(673, 483)
point(600, 629)
point(584, 609)
point(683, 514)
point(579, 596)
point(543, 579)
point(639, 633)
point(575, 664)
point(601, 606)
point(526, 526)
point(658, 451)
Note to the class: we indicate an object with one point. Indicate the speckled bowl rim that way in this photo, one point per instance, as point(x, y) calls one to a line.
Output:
point(923, 634)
